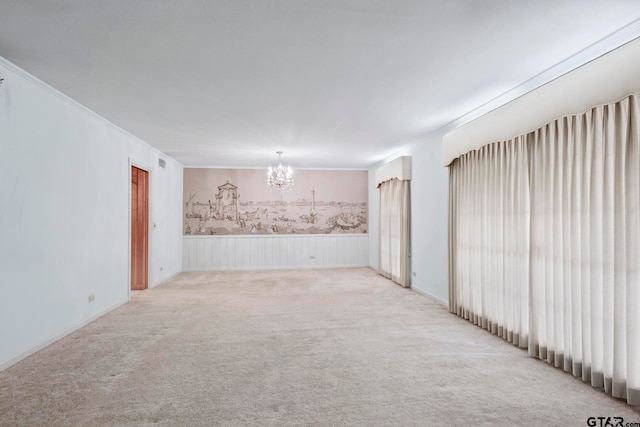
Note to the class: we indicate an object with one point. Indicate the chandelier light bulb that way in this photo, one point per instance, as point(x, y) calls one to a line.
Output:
point(280, 177)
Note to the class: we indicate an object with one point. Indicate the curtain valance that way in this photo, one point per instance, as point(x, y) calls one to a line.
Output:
point(612, 76)
point(399, 168)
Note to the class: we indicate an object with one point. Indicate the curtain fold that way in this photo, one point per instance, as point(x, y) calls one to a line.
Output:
point(544, 236)
point(395, 220)
point(489, 207)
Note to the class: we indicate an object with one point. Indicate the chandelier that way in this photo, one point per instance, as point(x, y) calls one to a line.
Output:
point(280, 177)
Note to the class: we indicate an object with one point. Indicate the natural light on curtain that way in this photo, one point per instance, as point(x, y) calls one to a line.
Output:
point(393, 261)
point(489, 197)
point(544, 237)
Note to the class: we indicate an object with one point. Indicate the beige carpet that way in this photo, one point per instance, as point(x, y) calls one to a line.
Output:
point(313, 347)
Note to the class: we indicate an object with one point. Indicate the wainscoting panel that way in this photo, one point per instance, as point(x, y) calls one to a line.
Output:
point(273, 252)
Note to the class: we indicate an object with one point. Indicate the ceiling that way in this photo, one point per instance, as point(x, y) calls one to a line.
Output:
point(334, 84)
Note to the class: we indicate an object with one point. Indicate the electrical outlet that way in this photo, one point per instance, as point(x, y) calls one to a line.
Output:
point(414, 274)
point(312, 257)
point(92, 297)
point(161, 268)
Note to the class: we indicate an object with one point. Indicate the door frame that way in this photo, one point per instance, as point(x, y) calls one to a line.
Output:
point(145, 167)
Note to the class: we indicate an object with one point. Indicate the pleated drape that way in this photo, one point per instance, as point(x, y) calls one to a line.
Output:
point(395, 220)
point(489, 197)
point(543, 246)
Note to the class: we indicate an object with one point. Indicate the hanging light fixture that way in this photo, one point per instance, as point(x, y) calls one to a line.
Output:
point(280, 177)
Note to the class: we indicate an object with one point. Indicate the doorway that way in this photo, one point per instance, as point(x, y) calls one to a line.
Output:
point(139, 229)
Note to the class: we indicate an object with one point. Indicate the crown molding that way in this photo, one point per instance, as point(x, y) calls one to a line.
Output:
point(13, 68)
point(617, 39)
point(603, 46)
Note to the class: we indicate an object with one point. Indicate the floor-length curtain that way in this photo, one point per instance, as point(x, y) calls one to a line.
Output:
point(585, 307)
point(394, 233)
point(489, 239)
point(579, 303)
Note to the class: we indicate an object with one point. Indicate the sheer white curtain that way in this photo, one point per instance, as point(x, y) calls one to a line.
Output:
point(393, 258)
point(577, 279)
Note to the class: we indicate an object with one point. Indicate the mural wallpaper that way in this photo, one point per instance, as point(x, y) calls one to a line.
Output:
point(237, 201)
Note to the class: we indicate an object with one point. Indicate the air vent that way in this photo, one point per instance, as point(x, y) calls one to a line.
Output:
point(162, 163)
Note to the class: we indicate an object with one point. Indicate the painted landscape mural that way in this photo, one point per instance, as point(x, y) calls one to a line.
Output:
point(237, 201)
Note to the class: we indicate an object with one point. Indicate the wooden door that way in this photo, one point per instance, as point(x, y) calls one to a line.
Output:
point(139, 229)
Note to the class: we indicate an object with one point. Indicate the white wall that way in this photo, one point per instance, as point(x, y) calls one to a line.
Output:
point(275, 252)
point(64, 214)
point(429, 209)
point(429, 224)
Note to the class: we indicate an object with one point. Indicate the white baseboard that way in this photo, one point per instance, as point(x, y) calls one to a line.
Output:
point(12, 361)
point(428, 295)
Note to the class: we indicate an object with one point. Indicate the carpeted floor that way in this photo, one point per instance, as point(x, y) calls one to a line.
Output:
point(311, 347)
